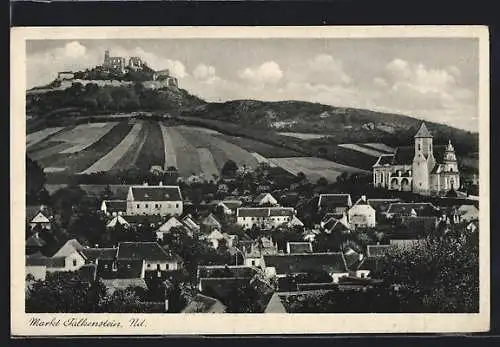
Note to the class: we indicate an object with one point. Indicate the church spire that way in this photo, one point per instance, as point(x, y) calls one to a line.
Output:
point(423, 132)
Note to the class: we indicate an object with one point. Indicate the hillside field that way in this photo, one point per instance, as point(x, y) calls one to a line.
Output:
point(140, 144)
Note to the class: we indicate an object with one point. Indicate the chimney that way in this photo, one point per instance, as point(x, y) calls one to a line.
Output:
point(363, 198)
point(160, 184)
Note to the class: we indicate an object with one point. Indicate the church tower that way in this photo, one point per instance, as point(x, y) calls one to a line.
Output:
point(423, 161)
point(451, 167)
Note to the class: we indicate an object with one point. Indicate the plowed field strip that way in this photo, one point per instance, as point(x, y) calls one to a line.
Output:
point(169, 148)
point(110, 159)
point(207, 163)
point(152, 151)
point(41, 135)
point(188, 160)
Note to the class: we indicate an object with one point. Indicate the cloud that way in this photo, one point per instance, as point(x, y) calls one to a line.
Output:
point(321, 69)
point(268, 72)
point(205, 74)
point(427, 93)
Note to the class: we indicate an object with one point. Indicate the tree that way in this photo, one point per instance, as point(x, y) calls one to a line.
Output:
point(229, 169)
point(64, 292)
point(35, 180)
point(439, 275)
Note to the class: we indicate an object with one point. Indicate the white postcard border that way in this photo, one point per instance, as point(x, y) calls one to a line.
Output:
point(180, 324)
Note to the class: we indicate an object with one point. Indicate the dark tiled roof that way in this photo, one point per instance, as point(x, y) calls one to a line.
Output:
point(232, 204)
point(377, 250)
point(373, 264)
point(381, 205)
point(385, 159)
point(222, 288)
point(421, 208)
point(36, 261)
point(420, 225)
point(404, 155)
point(281, 211)
point(35, 241)
point(316, 286)
point(300, 247)
point(202, 304)
point(156, 193)
point(210, 220)
point(145, 220)
point(116, 205)
point(218, 271)
point(352, 259)
point(330, 215)
point(252, 212)
point(151, 251)
point(300, 263)
point(334, 200)
point(99, 253)
point(88, 272)
point(33, 210)
point(123, 283)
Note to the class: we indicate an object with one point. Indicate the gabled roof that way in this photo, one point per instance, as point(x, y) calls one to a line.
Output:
point(117, 220)
point(203, 304)
point(361, 201)
point(467, 209)
point(302, 263)
point(215, 235)
point(295, 222)
point(156, 193)
point(423, 131)
point(210, 220)
point(372, 264)
point(385, 159)
point(404, 155)
point(231, 204)
point(99, 253)
point(36, 260)
point(275, 305)
point(125, 268)
point(222, 288)
point(261, 196)
point(421, 226)
point(68, 248)
point(334, 200)
point(381, 205)
point(150, 251)
point(143, 219)
point(405, 209)
point(190, 223)
point(352, 259)
point(169, 224)
point(116, 205)
point(33, 210)
point(377, 250)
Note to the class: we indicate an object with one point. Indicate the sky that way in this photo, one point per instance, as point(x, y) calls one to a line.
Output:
point(434, 79)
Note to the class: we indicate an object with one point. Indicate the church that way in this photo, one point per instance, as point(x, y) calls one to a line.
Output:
point(423, 168)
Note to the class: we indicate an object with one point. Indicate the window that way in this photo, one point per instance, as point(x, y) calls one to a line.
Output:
point(146, 206)
point(74, 262)
point(158, 267)
point(419, 147)
point(253, 262)
point(138, 205)
point(176, 205)
point(128, 266)
point(157, 205)
point(166, 266)
point(105, 266)
point(149, 265)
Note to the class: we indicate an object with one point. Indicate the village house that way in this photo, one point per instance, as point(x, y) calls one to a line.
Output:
point(211, 223)
point(361, 214)
point(114, 207)
point(334, 203)
point(253, 251)
point(68, 258)
point(36, 267)
point(402, 209)
point(38, 216)
point(126, 221)
point(282, 265)
point(190, 223)
point(167, 226)
point(381, 205)
point(154, 200)
point(423, 168)
point(336, 224)
point(264, 217)
point(265, 199)
point(229, 206)
point(118, 220)
point(155, 257)
point(215, 237)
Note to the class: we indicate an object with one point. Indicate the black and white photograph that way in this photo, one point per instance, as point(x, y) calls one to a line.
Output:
point(196, 171)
